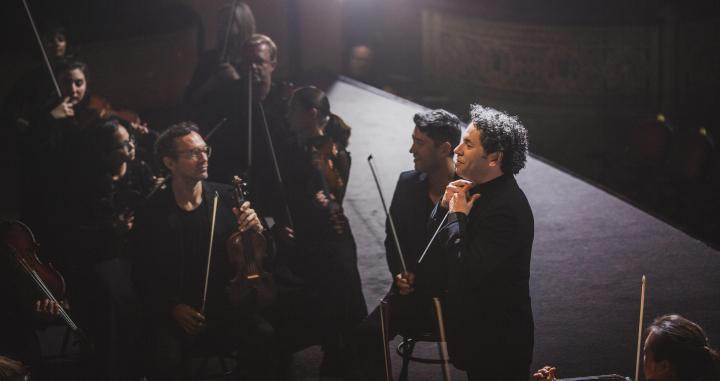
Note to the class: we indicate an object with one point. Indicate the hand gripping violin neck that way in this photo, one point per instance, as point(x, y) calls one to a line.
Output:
point(252, 288)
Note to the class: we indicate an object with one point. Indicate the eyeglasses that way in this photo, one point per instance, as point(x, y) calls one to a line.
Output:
point(195, 152)
point(127, 144)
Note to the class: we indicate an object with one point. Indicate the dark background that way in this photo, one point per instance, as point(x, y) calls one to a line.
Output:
point(588, 78)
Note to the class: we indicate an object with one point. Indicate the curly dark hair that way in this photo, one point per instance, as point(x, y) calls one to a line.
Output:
point(501, 132)
point(440, 125)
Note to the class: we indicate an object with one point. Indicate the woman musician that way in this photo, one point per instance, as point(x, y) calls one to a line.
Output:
point(324, 257)
point(676, 349)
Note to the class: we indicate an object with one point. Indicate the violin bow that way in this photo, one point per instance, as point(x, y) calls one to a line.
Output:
point(387, 214)
point(230, 22)
point(640, 327)
point(210, 246)
point(386, 344)
point(278, 176)
point(432, 239)
point(217, 126)
point(47, 293)
point(250, 117)
point(442, 344)
point(42, 50)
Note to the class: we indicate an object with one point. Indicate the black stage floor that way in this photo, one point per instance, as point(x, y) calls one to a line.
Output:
point(591, 250)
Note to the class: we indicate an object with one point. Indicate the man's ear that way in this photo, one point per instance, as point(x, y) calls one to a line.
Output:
point(495, 158)
point(446, 148)
point(169, 163)
point(663, 368)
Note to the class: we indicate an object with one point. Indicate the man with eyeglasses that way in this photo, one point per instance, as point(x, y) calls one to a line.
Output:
point(230, 101)
point(171, 241)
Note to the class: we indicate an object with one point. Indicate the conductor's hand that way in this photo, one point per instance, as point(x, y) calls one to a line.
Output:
point(190, 320)
point(457, 195)
point(405, 282)
point(247, 218)
point(547, 373)
point(452, 188)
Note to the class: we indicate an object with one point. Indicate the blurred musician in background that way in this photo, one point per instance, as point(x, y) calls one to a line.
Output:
point(324, 255)
point(252, 76)
point(675, 349)
point(235, 24)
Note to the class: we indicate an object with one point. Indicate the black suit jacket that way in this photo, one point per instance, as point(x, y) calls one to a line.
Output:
point(410, 209)
point(489, 317)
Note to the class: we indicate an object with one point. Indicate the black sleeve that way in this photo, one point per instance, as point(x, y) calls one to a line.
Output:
point(391, 252)
point(476, 259)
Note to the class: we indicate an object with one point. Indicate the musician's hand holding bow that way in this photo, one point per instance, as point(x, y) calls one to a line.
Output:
point(123, 222)
point(139, 128)
point(64, 109)
point(547, 373)
point(189, 319)
point(456, 197)
point(337, 219)
point(247, 218)
point(46, 310)
point(405, 282)
point(284, 234)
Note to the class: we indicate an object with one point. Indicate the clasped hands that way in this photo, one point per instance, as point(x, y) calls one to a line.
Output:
point(456, 198)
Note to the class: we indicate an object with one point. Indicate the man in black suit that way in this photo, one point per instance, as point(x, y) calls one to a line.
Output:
point(487, 242)
point(410, 297)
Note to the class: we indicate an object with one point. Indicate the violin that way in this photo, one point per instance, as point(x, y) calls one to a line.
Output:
point(324, 157)
point(325, 153)
point(23, 249)
point(252, 287)
point(98, 108)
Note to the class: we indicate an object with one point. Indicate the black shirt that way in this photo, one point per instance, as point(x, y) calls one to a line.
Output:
point(195, 232)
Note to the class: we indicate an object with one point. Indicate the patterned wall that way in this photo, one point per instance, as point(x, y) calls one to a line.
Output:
point(568, 83)
point(584, 62)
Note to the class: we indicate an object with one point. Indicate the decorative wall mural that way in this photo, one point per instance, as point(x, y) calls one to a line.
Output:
point(471, 55)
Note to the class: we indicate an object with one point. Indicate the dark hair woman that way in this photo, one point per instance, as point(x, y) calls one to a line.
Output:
point(678, 349)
